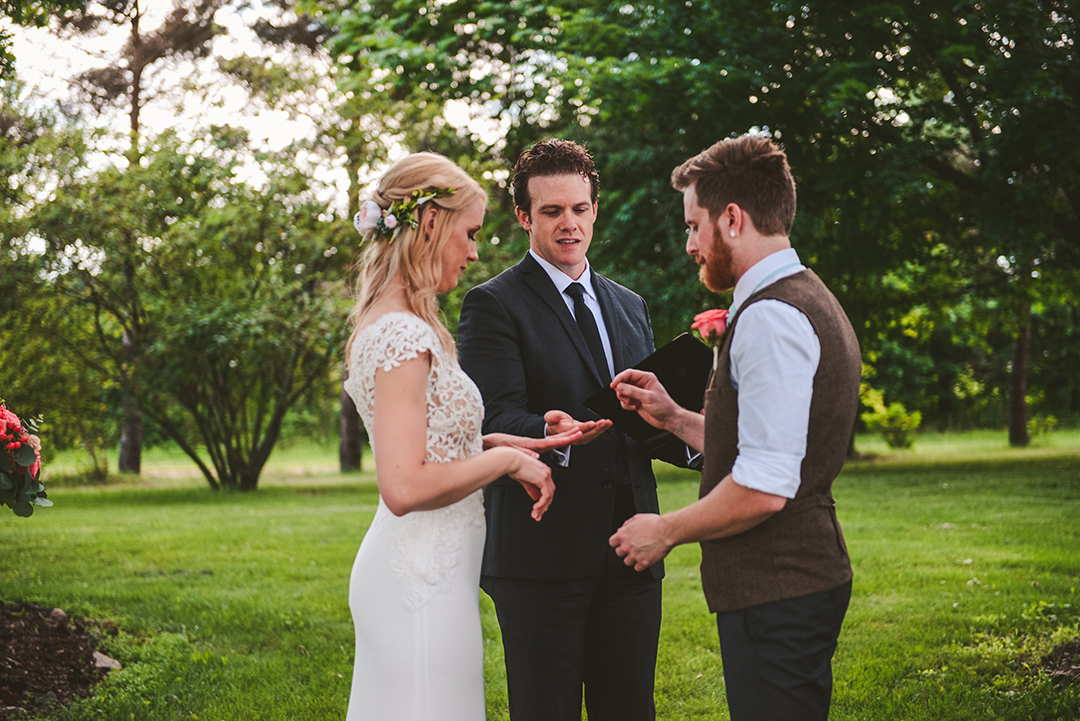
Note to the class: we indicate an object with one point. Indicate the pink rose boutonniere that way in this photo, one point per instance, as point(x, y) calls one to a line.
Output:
point(711, 326)
point(20, 464)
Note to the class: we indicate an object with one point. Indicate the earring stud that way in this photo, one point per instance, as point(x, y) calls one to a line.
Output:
point(733, 234)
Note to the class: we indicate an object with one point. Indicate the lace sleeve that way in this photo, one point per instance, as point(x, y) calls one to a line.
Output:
point(387, 343)
point(393, 343)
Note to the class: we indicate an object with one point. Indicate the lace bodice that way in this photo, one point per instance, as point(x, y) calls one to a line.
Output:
point(425, 542)
point(455, 407)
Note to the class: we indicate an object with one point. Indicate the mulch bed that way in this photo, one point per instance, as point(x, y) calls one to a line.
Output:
point(46, 658)
point(1063, 663)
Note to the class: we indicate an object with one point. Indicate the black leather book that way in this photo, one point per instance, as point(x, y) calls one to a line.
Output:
point(683, 367)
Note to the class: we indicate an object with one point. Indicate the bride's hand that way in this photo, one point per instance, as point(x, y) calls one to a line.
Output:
point(535, 476)
point(533, 446)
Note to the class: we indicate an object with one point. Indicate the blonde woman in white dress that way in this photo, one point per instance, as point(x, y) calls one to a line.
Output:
point(414, 589)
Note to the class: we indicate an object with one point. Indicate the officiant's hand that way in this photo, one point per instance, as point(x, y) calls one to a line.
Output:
point(641, 391)
point(560, 422)
point(534, 446)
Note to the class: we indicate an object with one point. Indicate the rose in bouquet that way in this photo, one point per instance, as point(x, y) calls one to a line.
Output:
point(20, 464)
point(711, 325)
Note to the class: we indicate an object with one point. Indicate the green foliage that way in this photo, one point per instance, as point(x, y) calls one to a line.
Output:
point(893, 422)
point(931, 144)
point(214, 303)
point(1041, 425)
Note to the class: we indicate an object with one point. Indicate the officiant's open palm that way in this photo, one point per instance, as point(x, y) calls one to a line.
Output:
point(559, 422)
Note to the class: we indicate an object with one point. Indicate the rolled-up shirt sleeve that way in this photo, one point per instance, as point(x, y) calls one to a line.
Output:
point(774, 357)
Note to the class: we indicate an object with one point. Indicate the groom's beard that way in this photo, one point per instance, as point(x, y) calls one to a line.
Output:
point(717, 269)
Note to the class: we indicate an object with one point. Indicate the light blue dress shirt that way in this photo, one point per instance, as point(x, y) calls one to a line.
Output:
point(774, 356)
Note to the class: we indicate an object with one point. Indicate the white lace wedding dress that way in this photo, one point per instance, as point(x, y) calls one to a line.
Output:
point(414, 590)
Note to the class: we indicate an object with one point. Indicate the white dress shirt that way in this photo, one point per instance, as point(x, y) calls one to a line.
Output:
point(774, 356)
point(562, 281)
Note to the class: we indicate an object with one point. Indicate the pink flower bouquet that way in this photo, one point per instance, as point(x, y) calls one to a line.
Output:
point(20, 465)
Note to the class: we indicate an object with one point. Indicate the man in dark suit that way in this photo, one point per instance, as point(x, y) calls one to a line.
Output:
point(538, 339)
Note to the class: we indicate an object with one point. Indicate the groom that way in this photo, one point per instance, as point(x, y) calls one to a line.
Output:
point(779, 412)
point(538, 339)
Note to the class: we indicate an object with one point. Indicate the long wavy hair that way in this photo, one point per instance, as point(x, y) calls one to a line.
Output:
point(415, 254)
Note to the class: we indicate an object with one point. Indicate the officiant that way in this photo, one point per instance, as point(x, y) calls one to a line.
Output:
point(538, 340)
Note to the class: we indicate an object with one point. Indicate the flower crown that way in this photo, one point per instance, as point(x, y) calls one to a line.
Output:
point(372, 220)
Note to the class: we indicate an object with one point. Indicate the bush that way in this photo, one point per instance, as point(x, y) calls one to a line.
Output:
point(893, 422)
point(1041, 425)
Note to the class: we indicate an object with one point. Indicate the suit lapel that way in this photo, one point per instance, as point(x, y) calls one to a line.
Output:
point(613, 319)
point(537, 278)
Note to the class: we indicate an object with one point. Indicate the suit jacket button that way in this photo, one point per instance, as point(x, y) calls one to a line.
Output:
point(610, 432)
point(609, 485)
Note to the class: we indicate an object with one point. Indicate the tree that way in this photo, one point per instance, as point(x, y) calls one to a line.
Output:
point(233, 291)
point(185, 33)
point(919, 133)
point(37, 374)
point(299, 80)
point(988, 93)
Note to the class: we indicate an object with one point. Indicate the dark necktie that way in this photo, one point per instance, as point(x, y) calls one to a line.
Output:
point(587, 323)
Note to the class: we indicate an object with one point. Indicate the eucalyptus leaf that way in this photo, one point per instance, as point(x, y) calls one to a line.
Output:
point(24, 509)
point(43, 502)
point(26, 456)
point(6, 482)
point(5, 463)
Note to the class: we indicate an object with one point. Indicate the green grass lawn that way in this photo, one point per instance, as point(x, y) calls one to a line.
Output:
point(234, 606)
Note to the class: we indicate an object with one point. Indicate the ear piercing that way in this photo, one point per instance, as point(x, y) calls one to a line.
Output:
point(733, 234)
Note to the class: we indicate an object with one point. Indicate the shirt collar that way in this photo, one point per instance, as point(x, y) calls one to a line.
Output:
point(562, 281)
point(758, 276)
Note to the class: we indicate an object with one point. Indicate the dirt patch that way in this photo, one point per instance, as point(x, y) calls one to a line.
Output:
point(47, 658)
point(1063, 663)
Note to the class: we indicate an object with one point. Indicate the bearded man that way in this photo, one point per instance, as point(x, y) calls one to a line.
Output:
point(779, 412)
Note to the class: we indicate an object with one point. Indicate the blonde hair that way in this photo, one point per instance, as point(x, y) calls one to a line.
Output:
point(416, 253)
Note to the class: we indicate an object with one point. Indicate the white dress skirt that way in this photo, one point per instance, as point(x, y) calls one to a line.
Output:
point(414, 588)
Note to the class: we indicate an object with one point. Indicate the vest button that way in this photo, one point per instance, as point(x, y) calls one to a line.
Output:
point(608, 485)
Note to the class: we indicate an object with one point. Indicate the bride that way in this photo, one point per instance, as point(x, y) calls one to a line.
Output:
point(414, 589)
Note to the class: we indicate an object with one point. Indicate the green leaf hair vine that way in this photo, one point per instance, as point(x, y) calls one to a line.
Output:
point(372, 220)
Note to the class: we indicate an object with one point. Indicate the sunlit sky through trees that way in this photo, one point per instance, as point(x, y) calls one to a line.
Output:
point(45, 63)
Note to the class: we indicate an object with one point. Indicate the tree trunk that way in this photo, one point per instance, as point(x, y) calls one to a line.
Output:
point(1018, 371)
point(131, 439)
point(131, 434)
point(1074, 386)
point(351, 444)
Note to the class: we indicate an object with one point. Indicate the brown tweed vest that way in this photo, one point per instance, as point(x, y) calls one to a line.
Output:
point(801, 549)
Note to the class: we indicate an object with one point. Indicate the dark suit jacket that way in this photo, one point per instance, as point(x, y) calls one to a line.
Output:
point(520, 344)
